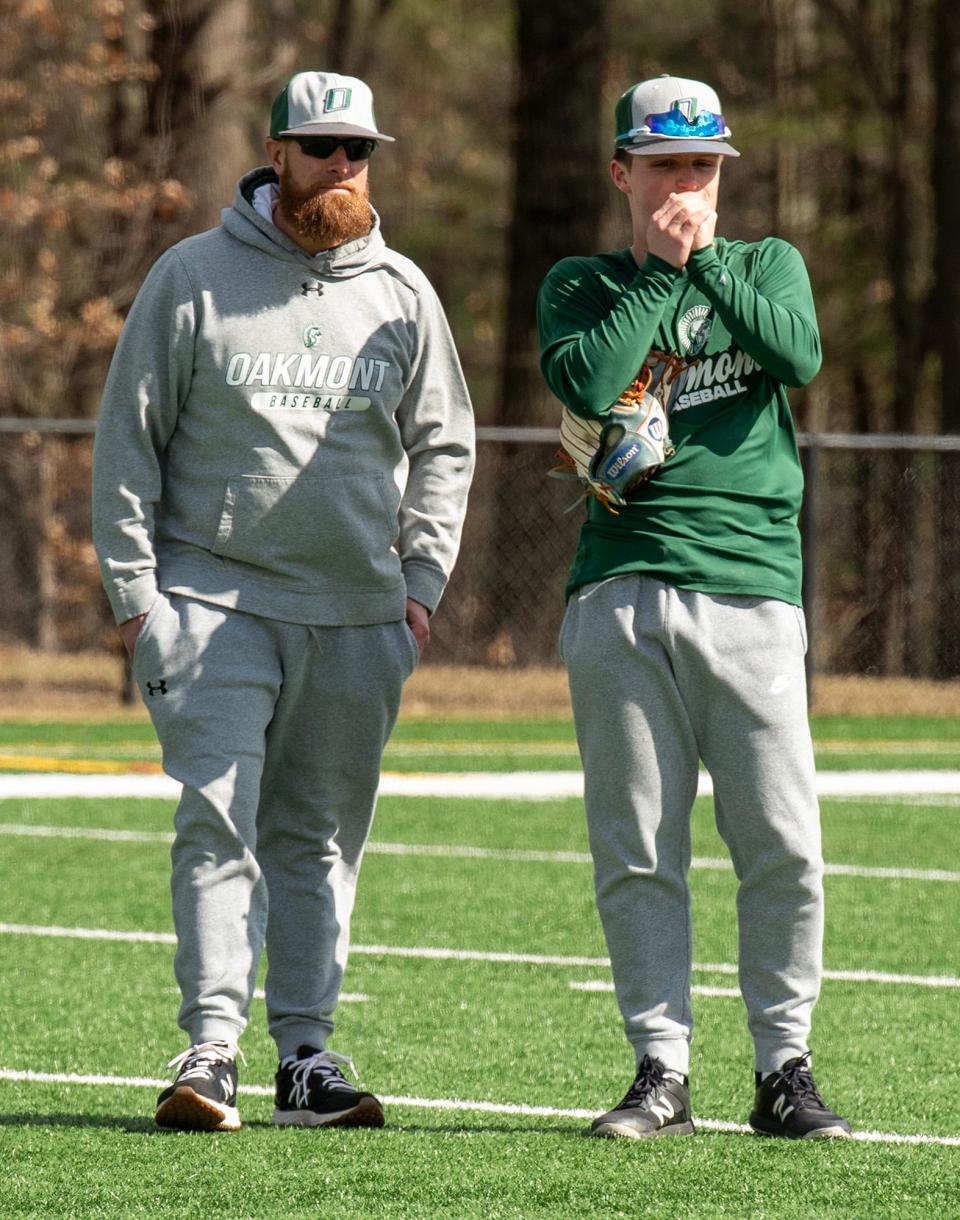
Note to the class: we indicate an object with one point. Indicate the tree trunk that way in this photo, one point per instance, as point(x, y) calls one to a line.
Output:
point(904, 236)
point(797, 211)
point(946, 185)
point(558, 193)
point(199, 47)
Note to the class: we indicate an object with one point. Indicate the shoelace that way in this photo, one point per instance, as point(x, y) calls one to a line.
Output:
point(199, 1062)
point(798, 1079)
point(649, 1078)
point(324, 1064)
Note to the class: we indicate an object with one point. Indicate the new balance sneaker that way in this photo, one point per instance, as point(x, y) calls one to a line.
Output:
point(657, 1103)
point(789, 1104)
point(203, 1096)
point(312, 1092)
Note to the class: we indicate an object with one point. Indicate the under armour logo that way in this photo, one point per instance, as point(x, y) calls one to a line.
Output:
point(306, 288)
point(157, 688)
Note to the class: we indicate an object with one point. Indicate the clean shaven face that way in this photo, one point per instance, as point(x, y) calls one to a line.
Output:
point(648, 181)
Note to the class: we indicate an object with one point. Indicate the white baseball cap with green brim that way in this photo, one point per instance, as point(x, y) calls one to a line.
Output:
point(324, 104)
point(671, 114)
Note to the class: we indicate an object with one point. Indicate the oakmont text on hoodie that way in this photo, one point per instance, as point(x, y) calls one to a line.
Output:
point(286, 435)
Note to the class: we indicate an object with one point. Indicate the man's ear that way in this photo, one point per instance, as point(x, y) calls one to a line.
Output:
point(621, 179)
point(275, 153)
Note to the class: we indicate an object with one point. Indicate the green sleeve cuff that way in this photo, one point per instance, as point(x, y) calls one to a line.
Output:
point(659, 267)
point(702, 261)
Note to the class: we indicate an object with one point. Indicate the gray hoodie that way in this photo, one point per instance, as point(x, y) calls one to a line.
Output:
point(283, 434)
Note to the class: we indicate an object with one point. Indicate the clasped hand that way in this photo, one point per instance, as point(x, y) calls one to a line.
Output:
point(685, 222)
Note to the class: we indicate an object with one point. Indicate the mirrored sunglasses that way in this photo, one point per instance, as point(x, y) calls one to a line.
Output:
point(675, 123)
point(357, 148)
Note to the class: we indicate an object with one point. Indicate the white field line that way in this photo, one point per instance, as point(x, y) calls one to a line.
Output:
point(446, 851)
point(431, 953)
point(102, 833)
point(486, 785)
point(445, 1103)
point(727, 993)
point(715, 863)
point(345, 997)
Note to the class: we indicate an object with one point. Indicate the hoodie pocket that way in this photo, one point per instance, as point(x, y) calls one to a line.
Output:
point(311, 533)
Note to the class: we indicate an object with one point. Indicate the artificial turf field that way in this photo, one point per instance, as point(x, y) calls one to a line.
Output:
point(478, 1007)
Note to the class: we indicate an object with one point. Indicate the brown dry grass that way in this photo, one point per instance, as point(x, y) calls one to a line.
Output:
point(86, 686)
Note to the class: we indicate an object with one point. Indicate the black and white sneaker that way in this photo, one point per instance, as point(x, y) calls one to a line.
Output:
point(312, 1092)
point(203, 1096)
point(657, 1103)
point(788, 1104)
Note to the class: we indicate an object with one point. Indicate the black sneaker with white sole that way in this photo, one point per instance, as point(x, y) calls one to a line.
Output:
point(203, 1096)
point(788, 1104)
point(657, 1103)
point(312, 1092)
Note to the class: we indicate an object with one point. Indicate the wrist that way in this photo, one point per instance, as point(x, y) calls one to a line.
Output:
point(702, 258)
point(657, 263)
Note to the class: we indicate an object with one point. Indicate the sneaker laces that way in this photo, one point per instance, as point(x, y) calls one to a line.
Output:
point(325, 1065)
point(199, 1062)
point(649, 1078)
point(798, 1079)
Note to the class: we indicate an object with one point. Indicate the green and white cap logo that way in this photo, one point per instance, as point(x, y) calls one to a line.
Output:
point(324, 104)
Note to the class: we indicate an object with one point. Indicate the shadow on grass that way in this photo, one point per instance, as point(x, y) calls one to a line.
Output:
point(138, 1126)
point(144, 1125)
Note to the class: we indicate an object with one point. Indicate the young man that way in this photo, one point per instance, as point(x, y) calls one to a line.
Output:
point(280, 477)
point(684, 635)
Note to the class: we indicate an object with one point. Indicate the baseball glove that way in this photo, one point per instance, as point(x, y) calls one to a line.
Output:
point(613, 457)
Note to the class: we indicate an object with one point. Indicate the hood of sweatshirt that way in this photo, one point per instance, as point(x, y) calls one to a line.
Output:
point(242, 221)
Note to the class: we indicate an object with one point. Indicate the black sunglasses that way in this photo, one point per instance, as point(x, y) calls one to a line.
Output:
point(357, 148)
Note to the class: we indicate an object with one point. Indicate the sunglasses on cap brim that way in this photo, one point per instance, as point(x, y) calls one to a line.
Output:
point(357, 148)
point(674, 123)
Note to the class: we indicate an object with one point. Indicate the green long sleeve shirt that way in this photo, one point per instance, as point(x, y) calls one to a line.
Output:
point(720, 516)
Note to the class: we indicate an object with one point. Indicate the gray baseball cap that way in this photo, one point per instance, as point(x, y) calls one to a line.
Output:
point(324, 104)
point(671, 114)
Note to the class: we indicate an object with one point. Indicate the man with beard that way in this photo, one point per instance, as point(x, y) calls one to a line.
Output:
point(280, 475)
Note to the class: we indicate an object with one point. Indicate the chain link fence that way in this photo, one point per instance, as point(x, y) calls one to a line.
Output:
point(881, 529)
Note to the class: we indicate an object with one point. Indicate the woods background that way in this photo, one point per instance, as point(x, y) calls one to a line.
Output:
point(125, 124)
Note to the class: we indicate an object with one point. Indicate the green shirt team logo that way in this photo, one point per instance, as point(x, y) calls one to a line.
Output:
point(311, 336)
point(693, 329)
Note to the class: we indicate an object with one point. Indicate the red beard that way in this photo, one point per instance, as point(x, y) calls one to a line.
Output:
point(325, 218)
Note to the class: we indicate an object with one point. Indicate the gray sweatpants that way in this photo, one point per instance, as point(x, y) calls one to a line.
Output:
point(661, 678)
point(276, 731)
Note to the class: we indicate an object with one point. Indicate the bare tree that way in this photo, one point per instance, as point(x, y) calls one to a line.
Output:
point(946, 189)
point(886, 159)
point(106, 106)
point(558, 197)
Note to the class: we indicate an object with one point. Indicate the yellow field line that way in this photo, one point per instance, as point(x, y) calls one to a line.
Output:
point(13, 760)
point(826, 745)
point(81, 766)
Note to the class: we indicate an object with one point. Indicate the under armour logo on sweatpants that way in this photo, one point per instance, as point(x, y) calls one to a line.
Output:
point(157, 688)
point(306, 288)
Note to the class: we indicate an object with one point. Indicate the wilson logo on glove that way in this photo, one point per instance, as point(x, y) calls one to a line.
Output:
point(632, 448)
point(615, 456)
